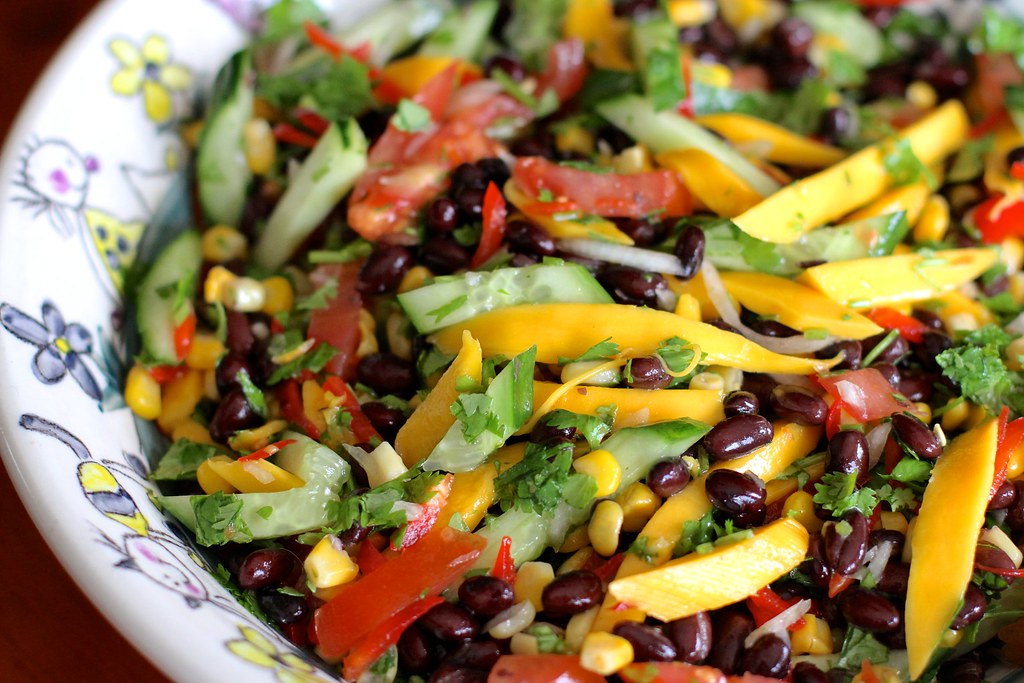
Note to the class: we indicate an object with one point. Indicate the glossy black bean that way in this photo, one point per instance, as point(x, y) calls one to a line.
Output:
point(987, 555)
point(476, 654)
point(546, 434)
point(527, 238)
point(817, 567)
point(1005, 496)
point(444, 256)
point(760, 386)
point(891, 537)
point(948, 78)
point(486, 595)
point(450, 623)
point(387, 373)
point(766, 326)
point(353, 535)
point(468, 175)
point(973, 609)
point(894, 640)
point(835, 124)
point(768, 656)
point(233, 414)
point(375, 122)
point(648, 372)
point(643, 232)
point(506, 63)
point(631, 286)
point(798, 404)
point(742, 520)
point(1015, 156)
point(852, 354)
point(283, 608)
point(649, 643)
point(737, 436)
point(870, 610)
point(227, 371)
point(734, 492)
point(384, 269)
point(538, 145)
point(692, 637)
point(265, 568)
point(719, 33)
point(572, 593)
point(453, 673)
point(635, 8)
point(495, 170)
point(805, 672)
point(385, 419)
point(895, 349)
point(844, 554)
point(916, 385)
point(965, 669)
point(471, 203)
point(930, 319)
point(416, 653)
point(1015, 513)
point(668, 477)
point(915, 435)
point(730, 630)
point(789, 74)
point(689, 250)
point(792, 37)
point(848, 452)
point(895, 578)
point(890, 372)
point(706, 51)
point(239, 335)
point(722, 325)
point(889, 80)
point(741, 403)
point(442, 215)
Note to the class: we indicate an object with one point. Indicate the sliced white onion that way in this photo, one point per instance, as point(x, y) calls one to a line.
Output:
point(624, 255)
point(510, 622)
point(852, 395)
point(1016, 325)
point(472, 95)
point(666, 299)
point(876, 566)
point(720, 299)
point(876, 439)
point(780, 623)
point(412, 511)
point(997, 537)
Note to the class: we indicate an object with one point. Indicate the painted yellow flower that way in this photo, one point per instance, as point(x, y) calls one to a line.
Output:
point(149, 69)
point(258, 650)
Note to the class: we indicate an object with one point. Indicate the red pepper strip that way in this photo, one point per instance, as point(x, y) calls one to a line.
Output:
point(323, 40)
point(607, 571)
point(166, 373)
point(495, 212)
point(297, 633)
point(311, 120)
point(995, 226)
point(384, 635)
point(1012, 435)
point(686, 106)
point(988, 124)
point(421, 526)
point(766, 604)
point(837, 583)
point(290, 398)
point(504, 567)
point(286, 132)
point(184, 333)
point(909, 328)
point(275, 326)
point(1001, 571)
point(834, 418)
point(369, 558)
point(892, 453)
point(359, 423)
point(1017, 170)
point(867, 672)
point(266, 451)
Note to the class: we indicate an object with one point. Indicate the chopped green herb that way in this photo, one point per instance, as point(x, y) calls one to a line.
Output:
point(904, 167)
point(321, 298)
point(253, 394)
point(603, 350)
point(182, 459)
point(411, 117)
point(219, 519)
point(593, 428)
point(313, 360)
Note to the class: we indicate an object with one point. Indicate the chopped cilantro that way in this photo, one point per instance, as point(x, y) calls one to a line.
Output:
point(353, 251)
point(547, 103)
point(603, 350)
point(475, 413)
point(538, 481)
point(904, 167)
point(182, 459)
point(677, 353)
point(593, 428)
point(375, 508)
point(219, 519)
point(859, 645)
point(411, 117)
point(1001, 34)
point(313, 360)
point(976, 364)
point(286, 17)
point(253, 394)
point(800, 469)
point(639, 548)
point(969, 163)
point(336, 89)
point(838, 492)
point(695, 533)
point(664, 77)
point(909, 470)
point(321, 298)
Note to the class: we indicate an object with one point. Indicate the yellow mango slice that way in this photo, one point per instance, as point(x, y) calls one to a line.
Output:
point(853, 182)
point(954, 302)
point(255, 476)
point(781, 145)
point(796, 305)
point(697, 290)
point(729, 573)
point(432, 418)
point(568, 330)
point(636, 406)
point(711, 181)
point(411, 74)
point(473, 492)
point(944, 539)
point(910, 198)
point(566, 227)
point(867, 282)
point(603, 35)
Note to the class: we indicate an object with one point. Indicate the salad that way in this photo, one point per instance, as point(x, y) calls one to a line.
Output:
point(571, 339)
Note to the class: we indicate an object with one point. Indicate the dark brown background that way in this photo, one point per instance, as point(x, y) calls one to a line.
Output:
point(49, 631)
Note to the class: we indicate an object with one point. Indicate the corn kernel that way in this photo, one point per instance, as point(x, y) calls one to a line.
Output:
point(1011, 253)
point(605, 527)
point(248, 440)
point(1014, 351)
point(179, 400)
point(575, 138)
point(216, 284)
point(1017, 288)
point(906, 557)
point(191, 430)
point(800, 506)
point(263, 109)
point(639, 503)
point(142, 393)
point(414, 278)
point(975, 417)
point(603, 467)
point(395, 329)
point(279, 295)
point(523, 644)
point(924, 411)
point(576, 561)
point(260, 146)
point(959, 321)
point(205, 351)
point(605, 653)
point(328, 564)
point(707, 380)
point(223, 243)
point(691, 12)
point(893, 521)
point(732, 378)
point(578, 627)
point(367, 334)
point(531, 579)
point(209, 480)
point(922, 95)
point(813, 638)
point(577, 538)
point(951, 638)
point(955, 416)
point(688, 307)
point(244, 294)
point(633, 159)
point(934, 220)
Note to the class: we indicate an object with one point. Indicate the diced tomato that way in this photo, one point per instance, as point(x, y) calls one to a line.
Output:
point(163, 374)
point(910, 328)
point(865, 393)
point(418, 528)
point(632, 195)
point(996, 222)
point(423, 570)
point(184, 333)
point(566, 69)
point(993, 72)
point(671, 672)
point(1010, 437)
point(289, 396)
point(504, 566)
point(287, 133)
point(338, 324)
point(892, 454)
point(495, 211)
point(766, 604)
point(834, 418)
point(266, 451)
point(360, 425)
point(541, 669)
point(311, 120)
point(384, 635)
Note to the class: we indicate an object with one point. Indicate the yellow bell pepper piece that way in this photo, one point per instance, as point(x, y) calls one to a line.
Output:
point(208, 479)
point(410, 74)
point(473, 492)
point(255, 476)
point(635, 406)
point(781, 145)
point(432, 418)
point(511, 330)
point(711, 181)
point(566, 227)
point(853, 182)
point(179, 400)
point(996, 178)
point(603, 35)
point(945, 535)
point(796, 305)
point(884, 280)
point(727, 574)
point(910, 198)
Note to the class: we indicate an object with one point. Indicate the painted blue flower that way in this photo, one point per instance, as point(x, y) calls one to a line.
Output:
point(61, 347)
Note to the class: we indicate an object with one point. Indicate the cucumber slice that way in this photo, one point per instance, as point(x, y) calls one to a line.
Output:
point(222, 171)
point(287, 512)
point(463, 32)
point(178, 262)
point(395, 27)
point(326, 176)
point(859, 39)
point(449, 301)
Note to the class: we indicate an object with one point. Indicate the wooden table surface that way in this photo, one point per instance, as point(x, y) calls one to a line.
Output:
point(49, 631)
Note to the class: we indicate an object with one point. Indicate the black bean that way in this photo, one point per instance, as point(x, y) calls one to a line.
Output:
point(689, 250)
point(476, 654)
point(643, 232)
point(1015, 156)
point(768, 656)
point(964, 669)
point(546, 434)
point(789, 74)
point(990, 556)
point(724, 326)
point(893, 538)
point(353, 535)
point(706, 51)
point(649, 643)
point(817, 568)
point(617, 139)
point(692, 637)
point(760, 386)
point(889, 80)
point(528, 238)
point(870, 610)
point(805, 672)
point(933, 342)
point(449, 622)
point(495, 170)
point(719, 33)
point(507, 63)
point(895, 640)
point(848, 452)
point(635, 8)
point(239, 334)
point(742, 520)
point(852, 354)
point(572, 593)
point(486, 595)
point(227, 372)
point(973, 609)
point(233, 414)
point(265, 568)
point(930, 319)
point(731, 628)
point(792, 37)
point(895, 578)
point(442, 215)
point(385, 419)
point(375, 122)
point(539, 145)
point(416, 654)
point(892, 352)
point(283, 608)
point(1005, 496)
point(835, 124)
point(453, 673)
point(917, 386)
point(471, 203)
point(668, 477)
point(734, 492)
point(798, 404)
point(1015, 513)
point(387, 373)
point(915, 436)
point(844, 554)
point(738, 435)
point(444, 256)
point(766, 326)
point(948, 78)
point(741, 403)
point(890, 372)
point(631, 286)
point(384, 269)
point(647, 372)
point(468, 175)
